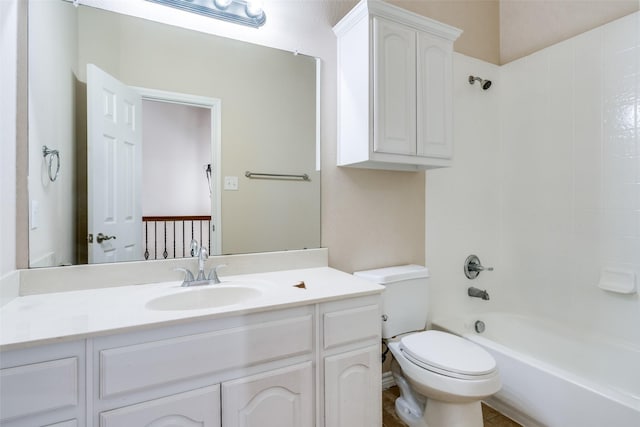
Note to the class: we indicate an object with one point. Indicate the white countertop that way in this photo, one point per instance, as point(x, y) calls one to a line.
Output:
point(54, 317)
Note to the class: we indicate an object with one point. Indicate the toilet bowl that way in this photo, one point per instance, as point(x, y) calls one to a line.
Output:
point(442, 377)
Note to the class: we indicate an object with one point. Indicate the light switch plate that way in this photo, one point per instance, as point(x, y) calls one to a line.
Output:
point(231, 183)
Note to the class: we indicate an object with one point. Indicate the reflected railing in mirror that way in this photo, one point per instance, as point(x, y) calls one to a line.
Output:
point(168, 237)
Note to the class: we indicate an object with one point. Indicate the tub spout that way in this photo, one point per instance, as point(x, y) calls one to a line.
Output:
point(478, 293)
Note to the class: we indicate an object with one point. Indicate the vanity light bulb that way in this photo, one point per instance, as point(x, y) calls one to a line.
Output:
point(254, 8)
point(222, 4)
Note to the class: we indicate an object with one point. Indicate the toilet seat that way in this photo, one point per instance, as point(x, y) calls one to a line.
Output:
point(448, 355)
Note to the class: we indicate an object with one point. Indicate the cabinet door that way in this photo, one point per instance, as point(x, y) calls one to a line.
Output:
point(353, 388)
point(196, 408)
point(279, 398)
point(434, 89)
point(394, 88)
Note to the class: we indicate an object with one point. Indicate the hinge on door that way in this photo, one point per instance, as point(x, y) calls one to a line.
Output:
point(213, 227)
point(90, 238)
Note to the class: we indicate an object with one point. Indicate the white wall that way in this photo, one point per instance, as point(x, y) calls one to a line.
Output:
point(571, 174)
point(52, 122)
point(8, 65)
point(174, 153)
point(462, 203)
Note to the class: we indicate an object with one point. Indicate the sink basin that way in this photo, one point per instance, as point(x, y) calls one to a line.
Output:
point(201, 298)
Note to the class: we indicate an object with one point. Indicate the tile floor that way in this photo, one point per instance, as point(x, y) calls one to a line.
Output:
point(492, 418)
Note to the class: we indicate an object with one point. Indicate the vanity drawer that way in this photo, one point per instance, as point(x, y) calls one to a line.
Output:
point(142, 366)
point(38, 387)
point(348, 325)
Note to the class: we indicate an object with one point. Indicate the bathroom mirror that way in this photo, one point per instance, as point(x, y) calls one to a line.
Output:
point(212, 109)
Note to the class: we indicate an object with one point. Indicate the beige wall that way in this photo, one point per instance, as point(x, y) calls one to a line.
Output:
point(527, 26)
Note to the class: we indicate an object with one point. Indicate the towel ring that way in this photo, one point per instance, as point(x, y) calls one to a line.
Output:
point(46, 151)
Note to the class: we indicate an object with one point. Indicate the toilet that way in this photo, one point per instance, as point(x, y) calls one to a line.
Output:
point(442, 377)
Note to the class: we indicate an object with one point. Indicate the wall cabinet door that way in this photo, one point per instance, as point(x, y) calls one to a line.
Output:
point(353, 388)
point(196, 408)
point(279, 398)
point(394, 91)
point(434, 97)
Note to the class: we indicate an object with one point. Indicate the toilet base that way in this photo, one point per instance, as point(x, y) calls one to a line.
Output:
point(413, 411)
point(441, 414)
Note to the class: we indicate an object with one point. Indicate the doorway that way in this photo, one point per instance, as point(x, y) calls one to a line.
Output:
point(181, 173)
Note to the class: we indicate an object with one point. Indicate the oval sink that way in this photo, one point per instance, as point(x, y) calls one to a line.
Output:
point(201, 298)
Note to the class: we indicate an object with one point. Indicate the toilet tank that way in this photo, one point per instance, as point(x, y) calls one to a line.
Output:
point(404, 299)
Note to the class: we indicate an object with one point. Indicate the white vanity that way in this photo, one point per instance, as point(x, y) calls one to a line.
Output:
point(285, 356)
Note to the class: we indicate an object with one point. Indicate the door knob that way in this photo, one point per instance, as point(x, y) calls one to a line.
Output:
point(101, 237)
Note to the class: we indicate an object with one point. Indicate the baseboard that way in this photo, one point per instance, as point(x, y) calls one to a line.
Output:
point(387, 380)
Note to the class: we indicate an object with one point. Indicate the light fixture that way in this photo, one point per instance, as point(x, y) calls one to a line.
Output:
point(244, 12)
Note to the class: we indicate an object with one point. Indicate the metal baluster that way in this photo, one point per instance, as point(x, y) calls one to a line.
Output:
point(146, 240)
point(155, 240)
point(165, 254)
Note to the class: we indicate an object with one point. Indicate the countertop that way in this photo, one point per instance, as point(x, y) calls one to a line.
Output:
point(54, 317)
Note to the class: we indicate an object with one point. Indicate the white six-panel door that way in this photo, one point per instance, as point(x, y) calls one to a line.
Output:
point(113, 168)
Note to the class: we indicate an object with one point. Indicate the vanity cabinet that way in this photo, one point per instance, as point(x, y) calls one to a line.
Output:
point(234, 371)
point(315, 365)
point(394, 89)
point(43, 386)
point(352, 363)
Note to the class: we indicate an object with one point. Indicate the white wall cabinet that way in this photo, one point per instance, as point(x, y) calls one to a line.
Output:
point(394, 89)
point(315, 365)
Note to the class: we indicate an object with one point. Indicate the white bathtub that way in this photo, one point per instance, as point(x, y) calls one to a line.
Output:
point(554, 376)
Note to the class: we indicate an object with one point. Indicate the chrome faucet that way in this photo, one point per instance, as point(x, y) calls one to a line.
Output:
point(201, 278)
point(478, 293)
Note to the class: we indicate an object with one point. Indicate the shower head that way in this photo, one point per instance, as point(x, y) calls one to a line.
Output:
point(485, 84)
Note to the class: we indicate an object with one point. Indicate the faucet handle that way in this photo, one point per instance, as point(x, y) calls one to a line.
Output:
point(188, 275)
point(213, 274)
point(473, 267)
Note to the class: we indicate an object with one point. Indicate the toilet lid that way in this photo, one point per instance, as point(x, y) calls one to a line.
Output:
point(448, 353)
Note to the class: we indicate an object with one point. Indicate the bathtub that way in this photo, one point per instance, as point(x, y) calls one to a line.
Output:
point(555, 376)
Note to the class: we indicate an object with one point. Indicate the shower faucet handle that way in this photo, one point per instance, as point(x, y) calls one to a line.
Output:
point(473, 267)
